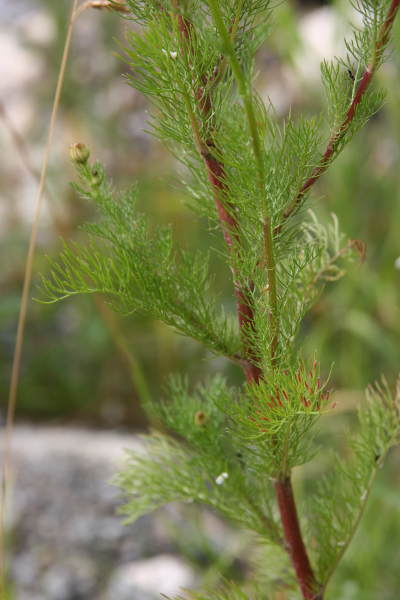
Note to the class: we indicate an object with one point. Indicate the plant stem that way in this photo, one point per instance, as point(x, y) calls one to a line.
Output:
point(23, 310)
point(272, 290)
point(216, 176)
point(246, 94)
point(337, 136)
point(284, 493)
point(294, 541)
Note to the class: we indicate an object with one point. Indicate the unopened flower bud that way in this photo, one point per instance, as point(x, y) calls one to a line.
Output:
point(96, 177)
point(79, 153)
point(200, 418)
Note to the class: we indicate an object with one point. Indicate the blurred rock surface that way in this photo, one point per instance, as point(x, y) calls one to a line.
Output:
point(164, 574)
point(68, 542)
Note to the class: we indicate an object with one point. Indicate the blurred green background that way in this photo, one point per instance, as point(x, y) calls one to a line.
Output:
point(84, 365)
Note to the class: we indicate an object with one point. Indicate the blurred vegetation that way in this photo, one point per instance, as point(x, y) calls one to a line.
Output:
point(76, 365)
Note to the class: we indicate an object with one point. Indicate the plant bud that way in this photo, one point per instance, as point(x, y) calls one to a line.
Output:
point(200, 418)
point(96, 177)
point(79, 153)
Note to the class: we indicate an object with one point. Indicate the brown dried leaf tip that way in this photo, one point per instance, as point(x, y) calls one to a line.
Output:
point(360, 247)
point(118, 5)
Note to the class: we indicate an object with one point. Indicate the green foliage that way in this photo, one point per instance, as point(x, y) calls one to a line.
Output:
point(317, 254)
point(228, 592)
point(273, 572)
point(208, 468)
point(138, 270)
point(362, 47)
point(265, 583)
point(342, 77)
point(250, 177)
point(144, 272)
point(339, 498)
point(278, 414)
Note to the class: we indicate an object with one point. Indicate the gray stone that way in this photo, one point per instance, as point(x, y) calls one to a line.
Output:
point(67, 537)
point(147, 579)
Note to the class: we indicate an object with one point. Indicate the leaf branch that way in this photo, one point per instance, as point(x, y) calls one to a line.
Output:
point(337, 136)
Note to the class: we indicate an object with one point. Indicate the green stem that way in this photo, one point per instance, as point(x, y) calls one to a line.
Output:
point(356, 521)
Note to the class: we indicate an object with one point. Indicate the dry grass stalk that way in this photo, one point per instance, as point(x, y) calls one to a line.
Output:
point(12, 398)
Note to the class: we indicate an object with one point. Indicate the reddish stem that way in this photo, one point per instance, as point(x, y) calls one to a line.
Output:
point(230, 227)
point(294, 540)
point(343, 128)
point(216, 175)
